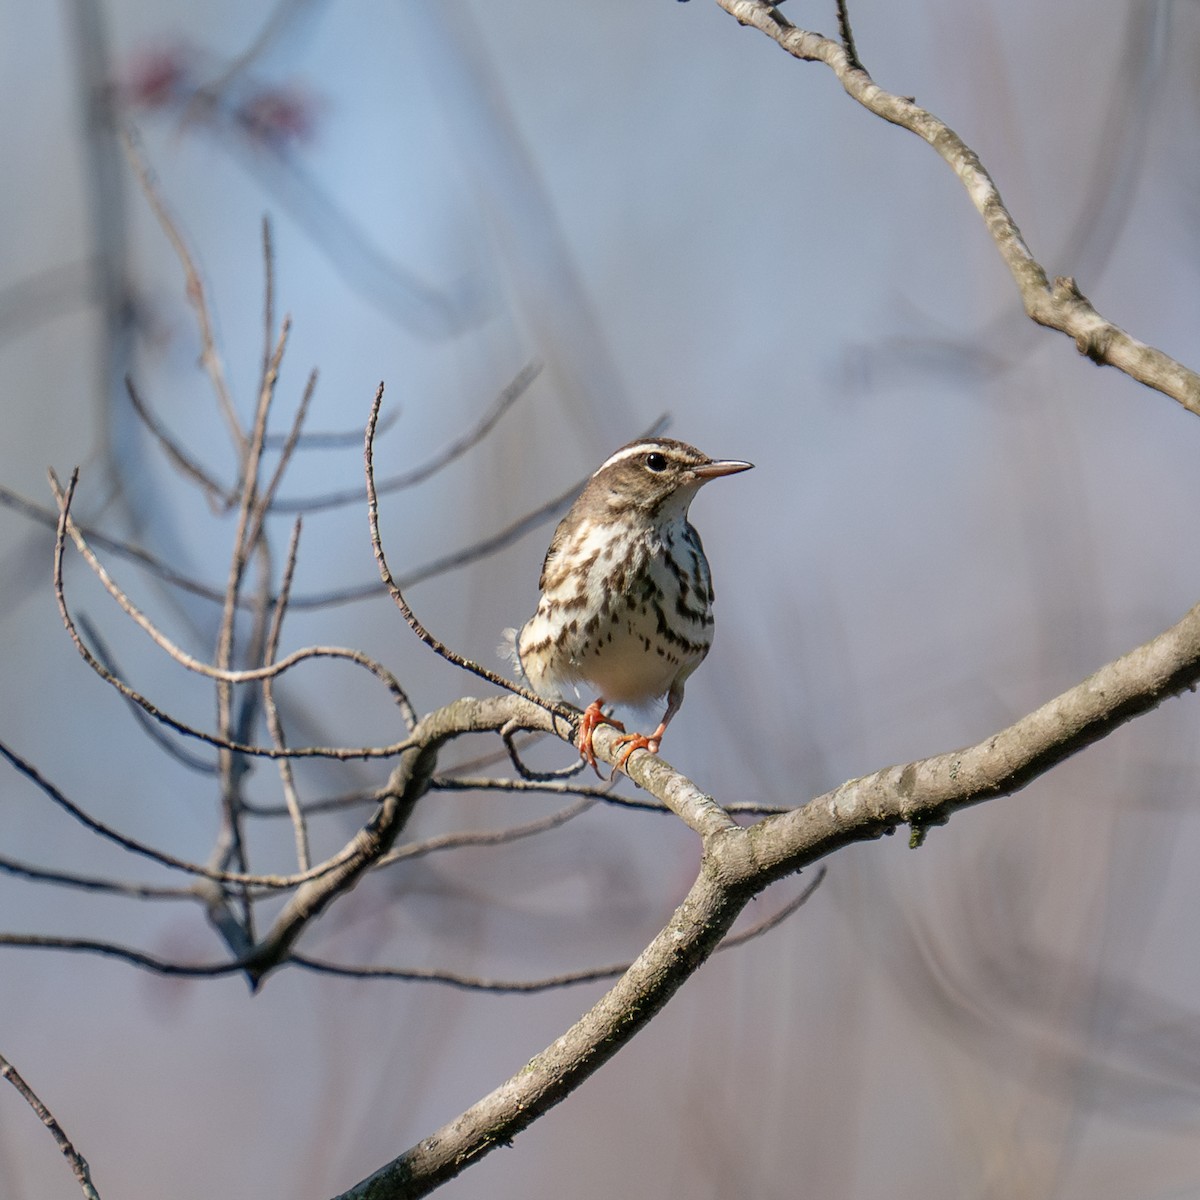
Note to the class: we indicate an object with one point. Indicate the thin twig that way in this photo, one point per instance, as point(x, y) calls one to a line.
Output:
point(406, 786)
point(312, 808)
point(263, 504)
point(336, 440)
point(151, 729)
point(847, 35)
point(488, 783)
point(231, 844)
point(454, 979)
point(508, 736)
point(569, 715)
point(367, 591)
point(78, 1163)
point(149, 962)
point(274, 724)
point(92, 883)
point(219, 497)
point(491, 757)
point(472, 437)
point(473, 983)
point(198, 666)
point(469, 554)
point(247, 709)
point(269, 882)
point(490, 837)
point(127, 550)
point(147, 706)
point(448, 562)
point(195, 286)
point(268, 252)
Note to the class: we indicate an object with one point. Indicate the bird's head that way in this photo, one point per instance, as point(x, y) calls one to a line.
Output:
point(656, 477)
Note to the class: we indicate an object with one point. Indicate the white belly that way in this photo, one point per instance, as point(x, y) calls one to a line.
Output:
point(630, 644)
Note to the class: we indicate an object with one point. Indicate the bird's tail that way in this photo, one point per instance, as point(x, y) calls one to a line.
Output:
point(508, 651)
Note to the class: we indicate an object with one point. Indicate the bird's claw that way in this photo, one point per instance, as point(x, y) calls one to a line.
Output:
point(594, 716)
point(633, 742)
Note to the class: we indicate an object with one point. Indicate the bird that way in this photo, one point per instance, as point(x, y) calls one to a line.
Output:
point(626, 593)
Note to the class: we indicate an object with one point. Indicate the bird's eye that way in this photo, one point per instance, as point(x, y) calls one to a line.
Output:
point(656, 461)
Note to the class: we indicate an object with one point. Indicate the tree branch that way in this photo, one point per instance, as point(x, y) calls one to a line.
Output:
point(928, 791)
point(78, 1163)
point(694, 931)
point(738, 863)
point(1059, 305)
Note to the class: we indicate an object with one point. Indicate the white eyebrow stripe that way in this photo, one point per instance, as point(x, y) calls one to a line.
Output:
point(628, 452)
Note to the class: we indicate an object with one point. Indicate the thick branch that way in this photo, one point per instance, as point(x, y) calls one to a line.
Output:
point(692, 934)
point(409, 782)
point(738, 863)
point(926, 792)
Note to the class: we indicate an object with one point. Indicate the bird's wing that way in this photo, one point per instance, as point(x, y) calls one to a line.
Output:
point(555, 545)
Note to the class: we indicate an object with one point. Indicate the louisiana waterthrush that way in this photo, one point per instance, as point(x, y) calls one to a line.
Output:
point(626, 601)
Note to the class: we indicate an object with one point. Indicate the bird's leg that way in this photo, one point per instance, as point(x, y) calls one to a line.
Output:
point(594, 715)
point(639, 741)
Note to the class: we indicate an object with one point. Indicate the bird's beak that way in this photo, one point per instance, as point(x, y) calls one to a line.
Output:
point(721, 466)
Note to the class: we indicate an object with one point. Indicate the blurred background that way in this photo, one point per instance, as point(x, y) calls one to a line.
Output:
point(954, 517)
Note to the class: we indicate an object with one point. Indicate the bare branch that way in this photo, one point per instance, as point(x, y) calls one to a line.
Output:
point(491, 757)
point(231, 844)
point(148, 962)
point(313, 807)
point(566, 713)
point(195, 286)
point(476, 983)
point(408, 783)
point(202, 766)
point(268, 251)
point(514, 756)
point(1059, 305)
point(49, 518)
point(448, 562)
point(927, 792)
point(222, 743)
point(78, 1162)
point(91, 883)
point(456, 449)
point(266, 502)
point(481, 549)
point(274, 723)
point(199, 667)
point(695, 929)
point(489, 783)
point(491, 837)
point(847, 34)
point(334, 440)
point(455, 979)
point(740, 862)
point(187, 466)
point(368, 591)
point(267, 882)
